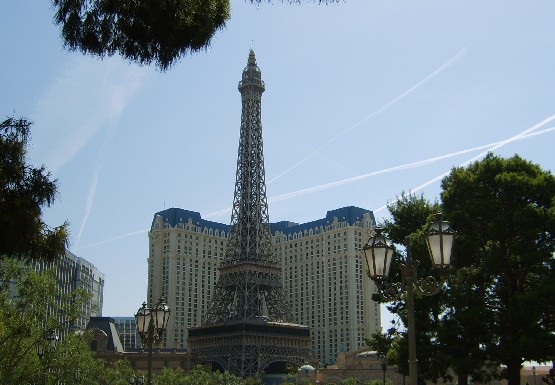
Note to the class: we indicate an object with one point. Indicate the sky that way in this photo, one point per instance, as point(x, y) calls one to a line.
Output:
point(365, 100)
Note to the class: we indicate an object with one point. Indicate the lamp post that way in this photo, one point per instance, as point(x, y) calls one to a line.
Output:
point(383, 362)
point(378, 253)
point(51, 339)
point(137, 380)
point(151, 323)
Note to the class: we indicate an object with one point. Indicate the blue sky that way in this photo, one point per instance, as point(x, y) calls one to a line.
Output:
point(364, 100)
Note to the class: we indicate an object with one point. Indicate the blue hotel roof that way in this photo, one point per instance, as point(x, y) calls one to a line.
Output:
point(173, 216)
point(350, 214)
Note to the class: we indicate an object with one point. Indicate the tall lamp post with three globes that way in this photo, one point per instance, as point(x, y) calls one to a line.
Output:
point(379, 251)
point(151, 323)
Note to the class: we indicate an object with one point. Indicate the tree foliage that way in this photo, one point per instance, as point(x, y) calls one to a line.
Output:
point(383, 344)
point(118, 373)
point(410, 217)
point(201, 376)
point(504, 211)
point(142, 31)
point(74, 363)
point(24, 192)
point(497, 306)
point(170, 377)
point(28, 312)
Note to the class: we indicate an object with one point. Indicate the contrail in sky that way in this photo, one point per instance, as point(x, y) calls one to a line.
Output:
point(118, 87)
point(114, 239)
point(459, 55)
point(494, 146)
point(489, 147)
point(88, 206)
point(450, 62)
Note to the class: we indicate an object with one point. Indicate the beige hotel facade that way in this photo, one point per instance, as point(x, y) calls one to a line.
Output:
point(323, 274)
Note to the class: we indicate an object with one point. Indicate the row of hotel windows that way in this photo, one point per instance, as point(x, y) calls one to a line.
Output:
point(280, 237)
point(357, 234)
point(195, 229)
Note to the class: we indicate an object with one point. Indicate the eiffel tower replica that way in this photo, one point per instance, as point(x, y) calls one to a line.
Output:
point(248, 328)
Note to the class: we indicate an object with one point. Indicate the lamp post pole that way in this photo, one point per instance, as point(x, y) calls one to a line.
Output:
point(409, 272)
point(383, 362)
point(137, 380)
point(51, 339)
point(151, 323)
point(378, 252)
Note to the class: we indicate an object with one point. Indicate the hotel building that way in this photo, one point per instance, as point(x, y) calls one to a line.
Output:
point(72, 273)
point(322, 273)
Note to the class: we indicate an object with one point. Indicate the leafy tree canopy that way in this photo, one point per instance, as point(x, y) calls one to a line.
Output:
point(382, 343)
point(504, 212)
point(28, 311)
point(497, 306)
point(142, 31)
point(410, 218)
point(24, 192)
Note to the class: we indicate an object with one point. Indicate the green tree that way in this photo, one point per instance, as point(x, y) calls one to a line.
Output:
point(201, 375)
point(118, 373)
point(410, 216)
point(142, 31)
point(464, 329)
point(74, 363)
point(26, 315)
point(504, 212)
point(24, 192)
point(382, 343)
point(170, 377)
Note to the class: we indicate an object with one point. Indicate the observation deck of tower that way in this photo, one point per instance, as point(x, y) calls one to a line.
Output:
point(248, 328)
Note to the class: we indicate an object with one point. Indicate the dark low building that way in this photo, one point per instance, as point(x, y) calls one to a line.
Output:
point(104, 340)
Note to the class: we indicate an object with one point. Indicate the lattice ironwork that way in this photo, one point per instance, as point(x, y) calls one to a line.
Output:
point(249, 293)
point(250, 277)
point(246, 348)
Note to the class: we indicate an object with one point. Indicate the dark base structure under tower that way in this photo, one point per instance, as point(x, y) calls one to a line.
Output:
point(251, 348)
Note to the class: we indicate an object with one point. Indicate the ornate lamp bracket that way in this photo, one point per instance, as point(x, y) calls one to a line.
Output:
point(388, 291)
point(391, 291)
point(430, 285)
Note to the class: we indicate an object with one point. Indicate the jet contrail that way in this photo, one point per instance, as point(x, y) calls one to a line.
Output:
point(450, 62)
point(494, 146)
point(116, 95)
point(112, 239)
point(525, 134)
point(89, 204)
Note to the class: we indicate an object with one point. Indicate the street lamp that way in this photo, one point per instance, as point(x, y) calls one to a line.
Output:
point(137, 380)
point(378, 253)
point(383, 362)
point(151, 323)
point(51, 339)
